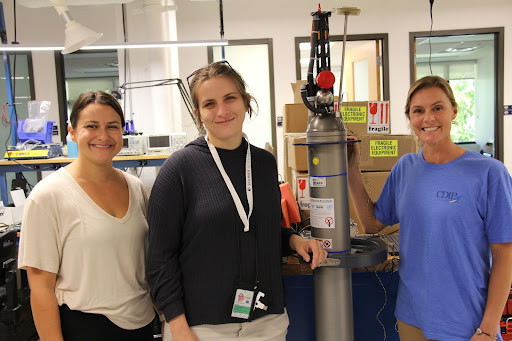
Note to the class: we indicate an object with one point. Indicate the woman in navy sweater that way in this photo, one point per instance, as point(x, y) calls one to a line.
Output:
point(215, 244)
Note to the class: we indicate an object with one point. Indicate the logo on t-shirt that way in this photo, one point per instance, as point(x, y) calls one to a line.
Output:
point(448, 196)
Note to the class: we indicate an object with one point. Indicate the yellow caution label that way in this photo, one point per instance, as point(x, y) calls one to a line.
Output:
point(353, 114)
point(316, 161)
point(383, 148)
point(26, 153)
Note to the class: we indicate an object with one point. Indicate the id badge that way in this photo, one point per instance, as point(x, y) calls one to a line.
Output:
point(243, 303)
point(242, 306)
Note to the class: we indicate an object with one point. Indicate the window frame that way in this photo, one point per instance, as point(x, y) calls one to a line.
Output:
point(30, 73)
point(498, 72)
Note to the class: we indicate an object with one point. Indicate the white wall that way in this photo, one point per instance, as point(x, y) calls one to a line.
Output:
point(153, 107)
point(43, 26)
point(243, 58)
point(484, 105)
point(245, 19)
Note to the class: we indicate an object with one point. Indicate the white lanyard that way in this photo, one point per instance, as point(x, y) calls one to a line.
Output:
point(248, 182)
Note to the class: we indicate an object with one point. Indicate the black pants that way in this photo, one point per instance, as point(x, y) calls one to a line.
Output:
point(79, 326)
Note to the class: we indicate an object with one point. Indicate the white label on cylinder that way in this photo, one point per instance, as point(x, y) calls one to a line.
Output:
point(317, 181)
point(322, 213)
point(326, 243)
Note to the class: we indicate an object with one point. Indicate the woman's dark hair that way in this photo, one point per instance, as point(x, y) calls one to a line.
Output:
point(99, 97)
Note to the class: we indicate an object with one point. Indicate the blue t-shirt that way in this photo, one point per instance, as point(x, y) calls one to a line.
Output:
point(449, 214)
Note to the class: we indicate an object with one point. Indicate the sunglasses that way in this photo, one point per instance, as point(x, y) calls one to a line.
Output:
point(195, 72)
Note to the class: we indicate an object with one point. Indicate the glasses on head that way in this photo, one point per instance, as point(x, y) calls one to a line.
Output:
point(195, 72)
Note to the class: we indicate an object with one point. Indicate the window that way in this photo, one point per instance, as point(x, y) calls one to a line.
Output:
point(472, 61)
point(22, 88)
point(253, 59)
point(23, 92)
point(461, 76)
point(366, 75)
point(83, 71)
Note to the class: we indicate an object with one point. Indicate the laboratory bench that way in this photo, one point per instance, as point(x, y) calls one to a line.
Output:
point(52, 164)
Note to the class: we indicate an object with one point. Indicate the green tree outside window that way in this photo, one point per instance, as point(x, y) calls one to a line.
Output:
point(463, 130)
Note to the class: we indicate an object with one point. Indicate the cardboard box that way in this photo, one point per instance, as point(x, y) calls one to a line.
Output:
point(287, 170)
point(381, 152)
point(357, 117)
point(295, 118)
point(354, 116)
point(297, 98)
point(364, 118)
point(298, 154)
point(374, 182)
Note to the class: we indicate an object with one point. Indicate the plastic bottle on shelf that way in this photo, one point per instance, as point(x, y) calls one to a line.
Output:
point(72, 147)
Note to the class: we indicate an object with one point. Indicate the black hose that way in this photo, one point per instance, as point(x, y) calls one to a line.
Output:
point(304, 96)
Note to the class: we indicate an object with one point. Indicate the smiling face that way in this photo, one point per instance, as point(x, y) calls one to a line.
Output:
point(431, 114)
point(98, 133)
point(222, 110)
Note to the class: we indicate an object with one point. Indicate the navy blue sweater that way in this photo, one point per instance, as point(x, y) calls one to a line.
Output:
point(197, 247)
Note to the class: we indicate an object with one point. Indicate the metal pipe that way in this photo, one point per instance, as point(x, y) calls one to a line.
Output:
point(346, 11)
point(343, 61)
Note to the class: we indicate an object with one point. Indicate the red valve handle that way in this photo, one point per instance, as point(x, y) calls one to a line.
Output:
point(325, 79)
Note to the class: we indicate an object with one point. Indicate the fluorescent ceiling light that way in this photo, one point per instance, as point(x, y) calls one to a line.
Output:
point(463, 49)
point(48, 3)
point(157, 44)
point(149, 45)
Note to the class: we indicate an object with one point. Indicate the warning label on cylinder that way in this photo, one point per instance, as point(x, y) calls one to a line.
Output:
point(322, 213)
point(326, 243)
point(353, 114)
point(383, 148)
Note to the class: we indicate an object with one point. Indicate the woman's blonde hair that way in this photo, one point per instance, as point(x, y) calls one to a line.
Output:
point(429, 82)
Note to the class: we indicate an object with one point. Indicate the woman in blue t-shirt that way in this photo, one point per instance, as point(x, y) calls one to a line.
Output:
point(454, 207)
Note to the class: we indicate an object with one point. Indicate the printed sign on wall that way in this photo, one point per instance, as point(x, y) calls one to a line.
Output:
point(383, 148)
point(353, 114)
point(378, 117)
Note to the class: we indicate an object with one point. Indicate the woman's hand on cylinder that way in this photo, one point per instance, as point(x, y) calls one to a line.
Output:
point(304, 247)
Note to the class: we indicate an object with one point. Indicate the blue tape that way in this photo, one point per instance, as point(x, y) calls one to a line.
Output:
point(322, 143)
point(344, 251)
point(327, 176)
